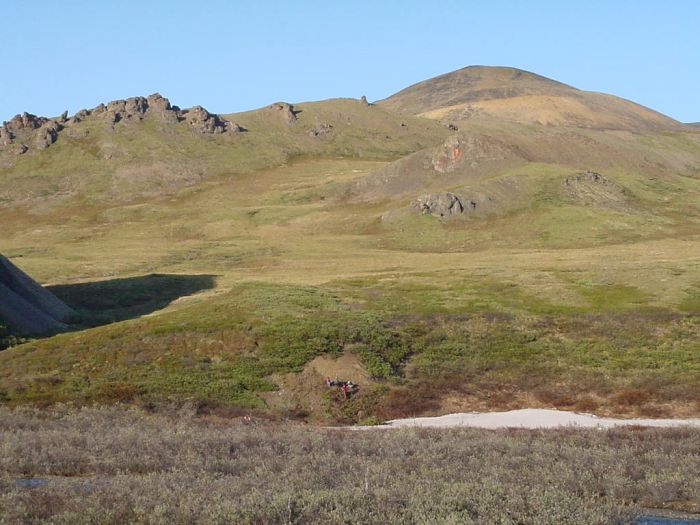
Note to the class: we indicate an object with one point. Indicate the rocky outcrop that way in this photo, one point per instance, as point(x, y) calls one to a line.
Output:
point(79, 116)
point(26, 306)
point(284, 110)
point(40, 133)
point(129, 109)
point(25, 121)
point(363, 100)
point(590, 188)
point(441, 204)
point(134, 108)
point(6, 136)
point(468, 150)
point(160, 106)
point(46, 135)
point(202, 121)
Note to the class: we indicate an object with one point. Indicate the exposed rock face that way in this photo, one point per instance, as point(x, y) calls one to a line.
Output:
point(24, 121)
point(204, 122)
point(26, 306)
point(286, 111)
point(6, 136)
point(450, 155)
point(364, 101)
point(46, 135)
point(40, 133)
point(440, 204)
point(160, 106)
point(460, 149)
point(131, 108)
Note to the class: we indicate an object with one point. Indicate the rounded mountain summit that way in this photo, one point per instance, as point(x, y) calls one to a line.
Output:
point(510, 94)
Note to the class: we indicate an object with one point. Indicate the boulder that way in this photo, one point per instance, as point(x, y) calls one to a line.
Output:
point(440, 204)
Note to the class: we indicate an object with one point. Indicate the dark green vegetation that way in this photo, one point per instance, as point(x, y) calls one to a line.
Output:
point(113, 466)
point(224, 351)
point(235, 267)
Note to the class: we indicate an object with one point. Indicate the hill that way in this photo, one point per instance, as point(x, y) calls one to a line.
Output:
point(510, 94)
point(443, 265)
point(25, 306)
point(145, 147)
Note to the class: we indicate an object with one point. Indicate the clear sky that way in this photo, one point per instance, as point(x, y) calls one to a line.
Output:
point(236, 55)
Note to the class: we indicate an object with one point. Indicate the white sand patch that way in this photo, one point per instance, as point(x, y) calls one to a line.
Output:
point(532, 418)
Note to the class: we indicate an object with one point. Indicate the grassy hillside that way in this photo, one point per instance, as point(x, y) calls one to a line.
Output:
point(237, 270)
point(97, 161)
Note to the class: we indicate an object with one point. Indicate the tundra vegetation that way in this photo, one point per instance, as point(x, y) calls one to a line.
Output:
point(113, 465)
point(225, 264)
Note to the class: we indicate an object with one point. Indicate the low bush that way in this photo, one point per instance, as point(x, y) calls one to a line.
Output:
point(114, 465)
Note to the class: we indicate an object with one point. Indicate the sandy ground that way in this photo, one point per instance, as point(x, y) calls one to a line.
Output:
point(532, 418)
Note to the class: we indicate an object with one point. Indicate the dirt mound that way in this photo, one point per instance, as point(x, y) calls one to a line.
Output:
point(26, 306)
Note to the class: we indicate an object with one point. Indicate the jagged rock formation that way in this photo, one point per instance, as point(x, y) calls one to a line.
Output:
point(46, 135)
point(26, 306)
point(27, 128)
point(441, 204)
point(204, 122)
point(41, 132)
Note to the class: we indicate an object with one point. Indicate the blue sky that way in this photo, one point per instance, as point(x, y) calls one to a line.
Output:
point(237, 55)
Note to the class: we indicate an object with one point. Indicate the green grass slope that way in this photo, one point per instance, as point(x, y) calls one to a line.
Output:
point(95, 160)
point(235, 270)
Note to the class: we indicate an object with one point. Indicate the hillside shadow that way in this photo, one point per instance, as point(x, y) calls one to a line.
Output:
point(101, 302)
